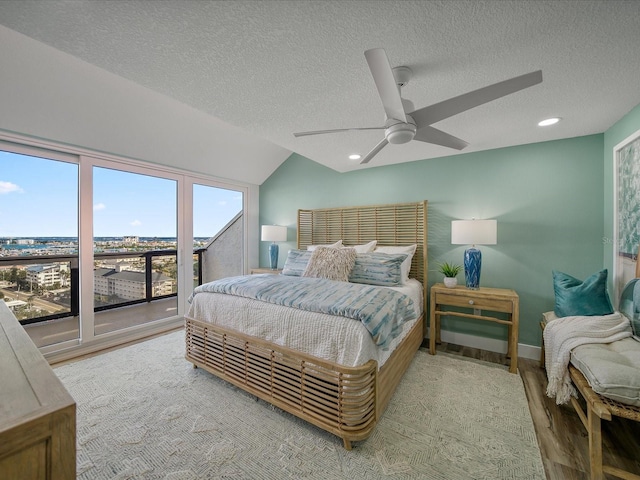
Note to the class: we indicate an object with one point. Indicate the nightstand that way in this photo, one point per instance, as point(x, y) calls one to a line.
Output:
point(254, 271)
point(489, 299)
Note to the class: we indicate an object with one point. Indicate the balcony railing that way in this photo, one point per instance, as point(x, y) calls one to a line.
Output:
point(65, 300)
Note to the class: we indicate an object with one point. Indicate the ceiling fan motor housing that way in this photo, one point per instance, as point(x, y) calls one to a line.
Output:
point(400, 133)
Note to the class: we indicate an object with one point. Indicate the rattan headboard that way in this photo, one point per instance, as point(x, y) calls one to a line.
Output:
point(393, 224)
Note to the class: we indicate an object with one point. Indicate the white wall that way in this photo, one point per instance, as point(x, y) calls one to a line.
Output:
point(48, 94)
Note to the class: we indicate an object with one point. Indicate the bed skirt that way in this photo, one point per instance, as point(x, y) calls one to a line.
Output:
point(345, 401)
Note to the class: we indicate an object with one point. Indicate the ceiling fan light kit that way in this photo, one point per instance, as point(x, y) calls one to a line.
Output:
point(404, 123)
point(400, 133)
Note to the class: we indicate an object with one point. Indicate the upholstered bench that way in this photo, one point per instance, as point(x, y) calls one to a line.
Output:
point(607, 376)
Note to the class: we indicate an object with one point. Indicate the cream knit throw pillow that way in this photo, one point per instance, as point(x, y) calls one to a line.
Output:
point(331, 263)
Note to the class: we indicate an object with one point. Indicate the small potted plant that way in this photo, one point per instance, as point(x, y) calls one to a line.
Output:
point(450, 272)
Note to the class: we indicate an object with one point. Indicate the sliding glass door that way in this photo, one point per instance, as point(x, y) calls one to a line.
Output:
point(135, 274)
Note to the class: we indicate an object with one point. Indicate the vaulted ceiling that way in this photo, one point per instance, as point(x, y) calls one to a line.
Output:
point(272, 68)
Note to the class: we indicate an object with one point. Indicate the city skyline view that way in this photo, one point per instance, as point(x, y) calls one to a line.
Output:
point(39, 198)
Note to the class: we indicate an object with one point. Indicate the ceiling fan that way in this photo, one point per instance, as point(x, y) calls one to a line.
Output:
point(404, 123)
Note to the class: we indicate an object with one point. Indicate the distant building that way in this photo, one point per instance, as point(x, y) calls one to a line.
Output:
point(47, 275)
point(129, 285)
point(25, 241)
point(14, 305)
point(130, 240)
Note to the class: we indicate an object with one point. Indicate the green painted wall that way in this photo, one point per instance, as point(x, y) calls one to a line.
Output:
point(547, 198)
point(628, 125)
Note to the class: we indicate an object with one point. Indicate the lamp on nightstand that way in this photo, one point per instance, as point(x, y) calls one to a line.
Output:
point(273, 233)
point(473, 232)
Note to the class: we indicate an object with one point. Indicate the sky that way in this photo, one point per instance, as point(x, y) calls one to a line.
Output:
point(39, 198)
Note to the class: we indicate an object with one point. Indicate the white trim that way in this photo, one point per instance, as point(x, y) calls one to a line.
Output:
point(85, 250)
point(489, 344)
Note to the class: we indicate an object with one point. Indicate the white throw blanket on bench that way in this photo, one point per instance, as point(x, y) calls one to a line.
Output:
point(562, 335)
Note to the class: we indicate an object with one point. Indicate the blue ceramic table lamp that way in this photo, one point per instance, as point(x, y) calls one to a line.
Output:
point(473, 232)
point(273, 233)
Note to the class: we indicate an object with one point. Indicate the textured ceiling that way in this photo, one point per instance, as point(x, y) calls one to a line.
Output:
point(273, 68)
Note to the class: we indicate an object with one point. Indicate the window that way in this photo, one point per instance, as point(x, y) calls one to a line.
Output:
point(118, 238)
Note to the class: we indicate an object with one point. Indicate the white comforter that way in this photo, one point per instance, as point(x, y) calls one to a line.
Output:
point(337, 339)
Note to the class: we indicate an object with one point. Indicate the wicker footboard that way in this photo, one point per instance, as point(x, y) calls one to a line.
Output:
point(342, 400)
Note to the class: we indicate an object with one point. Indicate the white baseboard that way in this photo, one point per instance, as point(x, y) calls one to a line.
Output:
point(489, 344)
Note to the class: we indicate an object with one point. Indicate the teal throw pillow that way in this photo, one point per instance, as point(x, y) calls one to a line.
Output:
point(577, 297)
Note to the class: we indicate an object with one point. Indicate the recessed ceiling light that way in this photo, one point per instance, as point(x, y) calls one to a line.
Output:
point(549, 121)
point(354, 156)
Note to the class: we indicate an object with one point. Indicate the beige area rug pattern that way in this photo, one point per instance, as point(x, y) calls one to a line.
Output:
point(144, 413)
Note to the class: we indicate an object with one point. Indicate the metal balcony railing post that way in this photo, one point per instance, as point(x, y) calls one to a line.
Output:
point(200, 257)
point(75, 287)
point(147, 276)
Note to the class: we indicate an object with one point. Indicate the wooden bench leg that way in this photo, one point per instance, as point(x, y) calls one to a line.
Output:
point(594, 429)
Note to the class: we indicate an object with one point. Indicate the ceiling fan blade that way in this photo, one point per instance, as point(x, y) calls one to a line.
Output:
point(385, 83)
point(336, 130)
point(438, 137)
point(383, 143)
point(453, 106)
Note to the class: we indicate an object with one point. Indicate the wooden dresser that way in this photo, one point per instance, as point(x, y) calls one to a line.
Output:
point(37, 414)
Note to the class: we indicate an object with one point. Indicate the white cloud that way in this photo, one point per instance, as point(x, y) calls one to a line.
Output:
point(136, 223)
point(99, 206)
point(8, 187)
point(222, 203)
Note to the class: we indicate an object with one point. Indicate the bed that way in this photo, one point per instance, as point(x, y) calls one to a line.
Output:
point(345, 400)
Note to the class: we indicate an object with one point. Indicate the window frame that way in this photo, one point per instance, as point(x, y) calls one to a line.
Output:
point(86, 159)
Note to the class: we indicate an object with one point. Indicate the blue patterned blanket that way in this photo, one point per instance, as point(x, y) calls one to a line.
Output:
point(381, 310)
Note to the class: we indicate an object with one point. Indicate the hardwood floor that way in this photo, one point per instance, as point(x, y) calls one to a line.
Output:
point(562, 439)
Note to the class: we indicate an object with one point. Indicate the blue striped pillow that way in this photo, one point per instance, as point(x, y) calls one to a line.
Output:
point(296, 263)
point(382, 269)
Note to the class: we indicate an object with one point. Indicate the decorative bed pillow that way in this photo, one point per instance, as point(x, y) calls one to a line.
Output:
point(409, 250)
point(576, 297)
point(338, 244)
point(375, 268)
point(296, 262)
point(365, 248)
point(331, 263)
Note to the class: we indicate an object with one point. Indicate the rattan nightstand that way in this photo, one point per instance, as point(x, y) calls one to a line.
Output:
point(479, 300)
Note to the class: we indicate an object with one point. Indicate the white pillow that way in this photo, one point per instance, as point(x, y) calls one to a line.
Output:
point(338, 244)
point(365, 248)
point(406, 265)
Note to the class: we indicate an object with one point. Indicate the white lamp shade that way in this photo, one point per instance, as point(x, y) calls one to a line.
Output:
point(474, 232)
point(273, 233)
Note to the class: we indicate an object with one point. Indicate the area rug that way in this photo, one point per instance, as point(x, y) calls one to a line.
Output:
point(143, 412)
